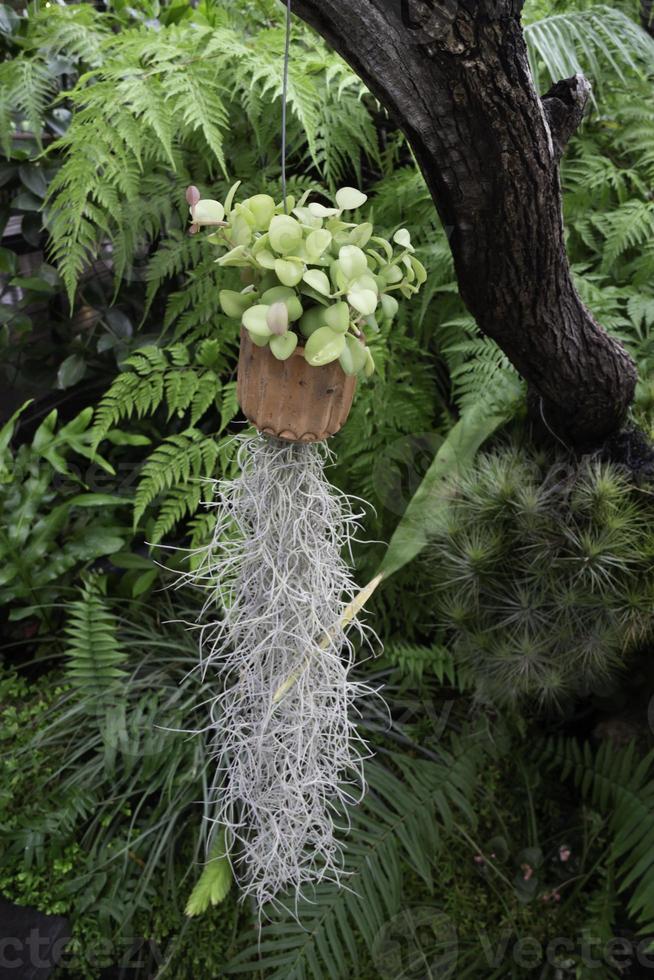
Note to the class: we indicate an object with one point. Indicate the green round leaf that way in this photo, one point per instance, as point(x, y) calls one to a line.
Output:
point(265, 259)
point(352, 261)
point(289, 271)
point(256, 323)
point(403, 238)
point(285, 234)
point(419, 269)
point(235, 304)
point(262, 207)
point(323, 347)
point(241, 230)
point(317, 242)
point(320, 211)
point(337, 317)
point(208, 212)
point(366, 281)
point(258, 340)
point(358, 352)
point(349, 198)
point(390, 306)
point(307, 217)
point(236, 257)
point(353, 355)
point(392, 274)
point(286, 295)
point(337, 276)
point(318, 281)
point(363, 300)
point(361, 234)
point(282, 347)
point(312, 320)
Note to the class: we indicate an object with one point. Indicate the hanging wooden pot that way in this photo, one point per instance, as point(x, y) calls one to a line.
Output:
point(290, 399)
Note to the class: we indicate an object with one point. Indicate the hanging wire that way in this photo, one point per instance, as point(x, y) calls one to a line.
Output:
point(287, 44)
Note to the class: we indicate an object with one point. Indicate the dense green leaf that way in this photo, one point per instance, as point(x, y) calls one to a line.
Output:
point(456, 453)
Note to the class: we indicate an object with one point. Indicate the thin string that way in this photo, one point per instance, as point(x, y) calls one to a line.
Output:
point(551, 430)
point(287, 44)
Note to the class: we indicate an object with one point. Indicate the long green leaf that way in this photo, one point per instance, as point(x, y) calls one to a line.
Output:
point(456, 453)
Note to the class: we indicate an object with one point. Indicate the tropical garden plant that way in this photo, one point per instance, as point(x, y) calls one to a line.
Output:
point(492, 817)
point(311, 256)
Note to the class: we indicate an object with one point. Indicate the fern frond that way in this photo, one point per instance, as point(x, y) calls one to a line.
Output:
point(405, 816)
point(630, 226)
point(475, 363)
point(94, 652)
point(155, 376)
point(175, 254)
point(27, 86)
point(200, 529)
point(215, 881)
point(76, 31)
point(417, 661)
point(158, 105)
point(129, 394)
point(180, 502)
point(602, 906)
point(621, 785)
point(587, 41)
point(180, 459)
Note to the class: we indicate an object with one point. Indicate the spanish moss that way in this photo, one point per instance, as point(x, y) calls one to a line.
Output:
point(277, 664)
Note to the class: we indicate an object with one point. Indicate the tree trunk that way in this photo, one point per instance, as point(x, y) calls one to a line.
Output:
point(647, 15)
point(455, 76)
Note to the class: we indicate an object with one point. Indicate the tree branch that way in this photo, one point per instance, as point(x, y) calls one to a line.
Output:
point(564, 107)
point(455, 75)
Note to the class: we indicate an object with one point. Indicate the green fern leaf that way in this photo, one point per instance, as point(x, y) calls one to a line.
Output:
point(179, 459)
point(405, 816)
point(416, 661)
point(619, 784)
point(94, 653)
point(215, 881)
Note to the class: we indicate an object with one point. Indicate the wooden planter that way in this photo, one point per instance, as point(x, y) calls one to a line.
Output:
point(290, 399)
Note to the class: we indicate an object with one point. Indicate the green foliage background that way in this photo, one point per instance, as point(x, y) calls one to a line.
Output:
point(111, 333)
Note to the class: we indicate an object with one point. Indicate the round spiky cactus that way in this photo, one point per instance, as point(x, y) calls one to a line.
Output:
point(542, 573)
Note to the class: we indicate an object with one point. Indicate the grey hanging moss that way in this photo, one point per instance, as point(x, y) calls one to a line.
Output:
point(277, 662)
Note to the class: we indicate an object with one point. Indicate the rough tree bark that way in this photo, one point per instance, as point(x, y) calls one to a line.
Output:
point(455, 76)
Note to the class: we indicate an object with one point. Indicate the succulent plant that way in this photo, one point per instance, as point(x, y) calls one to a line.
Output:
point(312, 277)
point(541, 574)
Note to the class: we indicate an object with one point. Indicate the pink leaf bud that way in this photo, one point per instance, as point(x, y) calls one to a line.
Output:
point(277, 318)
point(192, 195)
